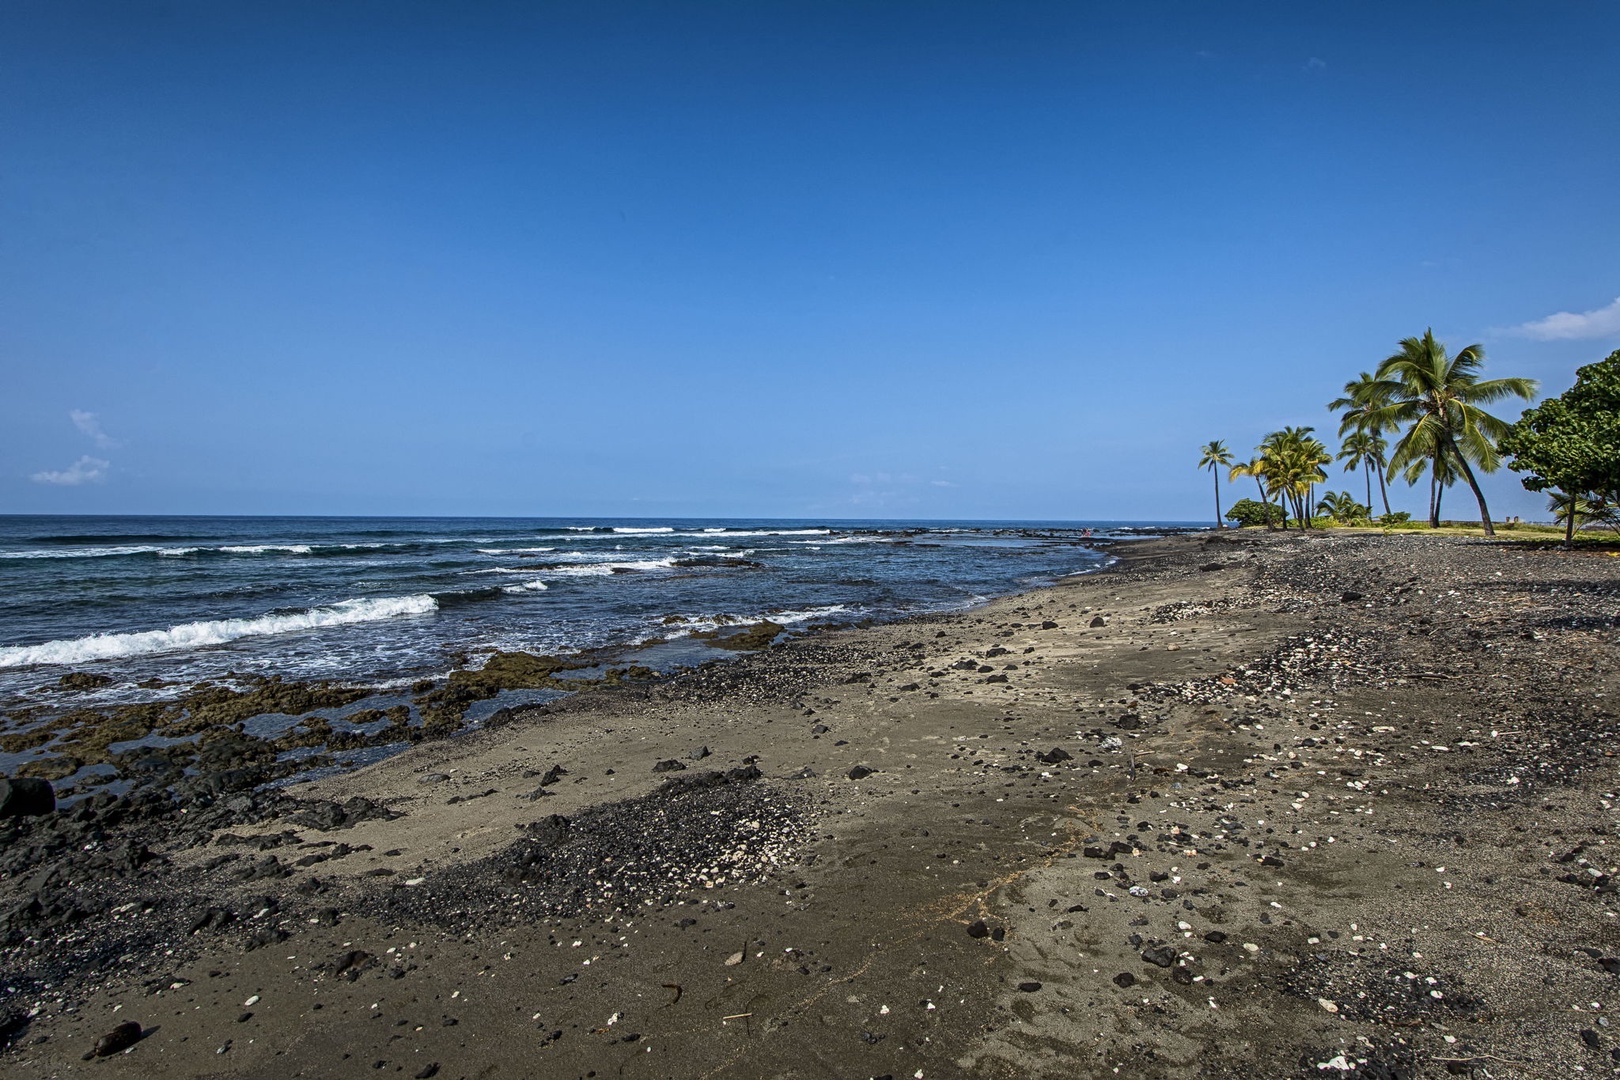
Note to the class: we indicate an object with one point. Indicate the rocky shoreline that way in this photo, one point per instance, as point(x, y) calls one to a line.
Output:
point(1242, 805)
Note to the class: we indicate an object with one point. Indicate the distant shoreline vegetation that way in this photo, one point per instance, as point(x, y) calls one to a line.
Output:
point(1432, 403)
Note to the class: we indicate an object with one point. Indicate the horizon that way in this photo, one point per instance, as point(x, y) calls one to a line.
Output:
point(789, 262)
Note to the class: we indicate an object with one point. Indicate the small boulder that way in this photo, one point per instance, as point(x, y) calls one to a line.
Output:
point(668, 765)
point(26, 796)
point(117, 1040)
point(859, 772)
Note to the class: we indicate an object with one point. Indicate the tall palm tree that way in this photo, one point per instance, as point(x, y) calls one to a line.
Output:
point(1214, 457)
point(1362, 450)
point(1363, 397)
point(1255, 467)
point(1440, 396)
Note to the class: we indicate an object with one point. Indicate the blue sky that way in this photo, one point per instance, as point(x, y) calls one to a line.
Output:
point(958, 260)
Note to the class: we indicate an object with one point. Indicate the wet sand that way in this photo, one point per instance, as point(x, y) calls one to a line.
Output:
point(1317, 802)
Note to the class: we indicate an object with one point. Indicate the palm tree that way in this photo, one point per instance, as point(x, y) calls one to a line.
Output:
point(1255, 467)
point(1362, 449)
point(1440, 396)
point(1215, 456)
point(1342, 507)
point(1294, 463)
point(1363, 397)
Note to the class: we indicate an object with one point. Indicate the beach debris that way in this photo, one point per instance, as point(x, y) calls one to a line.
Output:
point(735, 958)
point(117, 1040)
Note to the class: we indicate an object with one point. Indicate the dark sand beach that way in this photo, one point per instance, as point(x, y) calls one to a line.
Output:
point(1242, 805)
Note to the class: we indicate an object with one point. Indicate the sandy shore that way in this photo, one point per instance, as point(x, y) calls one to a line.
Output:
point(1250, 805)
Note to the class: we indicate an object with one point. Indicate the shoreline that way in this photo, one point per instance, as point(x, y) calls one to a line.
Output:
point(971, 853)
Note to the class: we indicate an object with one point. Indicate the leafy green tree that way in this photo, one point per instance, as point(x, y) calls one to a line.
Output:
point(1247, 512)
point(1215, 456)
point(1572, 442)
point(1437, 398)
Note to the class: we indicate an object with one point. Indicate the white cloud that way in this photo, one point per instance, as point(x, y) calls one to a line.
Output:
point(942, 483)
point(1316, 63)
point(1567, 326)
point(87, 470)
point(88, 423)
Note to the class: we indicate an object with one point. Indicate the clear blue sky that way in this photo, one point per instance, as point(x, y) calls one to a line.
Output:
point(986, 260)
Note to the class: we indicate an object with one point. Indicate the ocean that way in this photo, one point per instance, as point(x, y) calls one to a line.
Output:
point(383, 602)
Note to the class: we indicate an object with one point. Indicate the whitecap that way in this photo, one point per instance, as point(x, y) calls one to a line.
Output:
point(196, 635)
point(535, 585)
point(261, 549)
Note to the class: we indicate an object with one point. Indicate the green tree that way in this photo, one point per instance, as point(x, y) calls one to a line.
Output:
point(1572, 442)
point(1437, 398)
point(1247, 512)
point(1215, 457)
point(1363, 397)
point(1255, 467)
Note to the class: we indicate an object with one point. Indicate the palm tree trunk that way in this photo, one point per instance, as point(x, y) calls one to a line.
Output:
point(1434, 493)
point(1383, 491)
point(1484, 511)
point(1215, 474)
point(1569, 524)
point(1366, 467)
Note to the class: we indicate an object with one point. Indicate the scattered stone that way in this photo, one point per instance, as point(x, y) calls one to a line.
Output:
point(1124, 980)
point(1029, 987)
point(117, 1040)
point(1160, 955)
point(699, 754)
point(859, 772)
point(669, 765)
point(977, 929)
point(1054, 756)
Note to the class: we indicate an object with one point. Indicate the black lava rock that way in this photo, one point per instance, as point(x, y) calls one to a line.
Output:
point(859, 772)
point(977, 929)
point(117, 1040)
point(26, 796)
point(669, 765)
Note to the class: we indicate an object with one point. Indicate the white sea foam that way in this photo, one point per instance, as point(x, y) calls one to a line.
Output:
point(196, 635)
point(176, 552)
point(515, 551)
point(83, 552)
point(710, 534)
point(535, 585)
point(603, 569)
point(262, 549)
point(642, 532)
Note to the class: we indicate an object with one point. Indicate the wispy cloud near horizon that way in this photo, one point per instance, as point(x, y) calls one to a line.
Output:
point(87, 470)
point(1569, 326)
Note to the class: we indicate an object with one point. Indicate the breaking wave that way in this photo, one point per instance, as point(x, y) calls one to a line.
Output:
point(196, 635)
